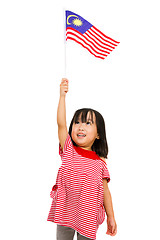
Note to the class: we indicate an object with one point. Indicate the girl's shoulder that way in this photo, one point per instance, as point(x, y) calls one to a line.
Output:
point(103, 159)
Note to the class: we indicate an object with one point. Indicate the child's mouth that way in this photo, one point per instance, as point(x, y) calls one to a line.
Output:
point(81, 135)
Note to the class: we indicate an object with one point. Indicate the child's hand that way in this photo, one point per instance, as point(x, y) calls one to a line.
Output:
point(111, 226)
point(64, 87)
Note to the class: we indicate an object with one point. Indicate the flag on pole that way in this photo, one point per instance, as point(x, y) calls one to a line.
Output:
point(85, 34)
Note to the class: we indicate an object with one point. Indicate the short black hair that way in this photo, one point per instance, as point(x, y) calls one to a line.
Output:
point(100, 145)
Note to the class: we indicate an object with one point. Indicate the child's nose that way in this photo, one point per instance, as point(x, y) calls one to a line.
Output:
point(81, 126)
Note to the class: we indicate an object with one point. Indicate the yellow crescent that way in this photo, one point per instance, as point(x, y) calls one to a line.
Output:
point(69, 17)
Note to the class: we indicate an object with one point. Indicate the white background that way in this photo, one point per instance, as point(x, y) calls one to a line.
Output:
point(124, 88)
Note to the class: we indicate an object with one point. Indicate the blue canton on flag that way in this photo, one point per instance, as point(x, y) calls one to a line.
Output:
point(77, 22)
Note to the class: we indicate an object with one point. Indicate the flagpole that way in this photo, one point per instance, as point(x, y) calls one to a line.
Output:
point(64, 21)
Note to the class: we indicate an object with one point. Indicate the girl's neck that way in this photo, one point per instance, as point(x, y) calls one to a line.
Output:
point(87, 148)
point(86, 153)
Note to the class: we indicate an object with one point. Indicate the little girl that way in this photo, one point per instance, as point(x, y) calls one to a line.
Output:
point(81, 195)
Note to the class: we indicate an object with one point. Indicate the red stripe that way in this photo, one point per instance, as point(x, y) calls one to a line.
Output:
point(105, 35)
point(90, 42)
point(85, 47)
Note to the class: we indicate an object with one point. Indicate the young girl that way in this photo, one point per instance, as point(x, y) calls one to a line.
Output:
point(81, 195)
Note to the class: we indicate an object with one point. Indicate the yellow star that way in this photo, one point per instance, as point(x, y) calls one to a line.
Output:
point(77, 22)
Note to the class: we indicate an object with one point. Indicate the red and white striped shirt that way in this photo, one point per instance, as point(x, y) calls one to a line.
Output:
point(78, 192)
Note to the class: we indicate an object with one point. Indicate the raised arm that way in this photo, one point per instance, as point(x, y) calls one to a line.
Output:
point(61, 113)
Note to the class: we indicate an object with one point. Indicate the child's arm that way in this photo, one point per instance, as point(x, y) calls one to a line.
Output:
point(61, 113)
point(111, 223)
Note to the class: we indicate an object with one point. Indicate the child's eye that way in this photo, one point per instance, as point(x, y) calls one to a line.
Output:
point(88, 123)
point(76, 122)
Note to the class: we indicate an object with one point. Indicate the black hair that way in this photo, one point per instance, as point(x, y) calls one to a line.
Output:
point(100, 145)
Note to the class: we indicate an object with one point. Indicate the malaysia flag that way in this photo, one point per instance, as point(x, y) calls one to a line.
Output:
point(85, 34)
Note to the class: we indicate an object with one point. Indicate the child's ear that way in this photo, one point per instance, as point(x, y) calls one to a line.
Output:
point(98, 136)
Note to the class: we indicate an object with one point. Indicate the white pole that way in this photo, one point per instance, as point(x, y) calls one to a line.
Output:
point(64, 21)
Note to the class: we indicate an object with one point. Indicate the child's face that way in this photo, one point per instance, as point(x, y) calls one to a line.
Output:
point(84, 134)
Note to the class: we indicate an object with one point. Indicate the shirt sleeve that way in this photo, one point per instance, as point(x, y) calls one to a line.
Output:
point(68, 146)
point(105, 173)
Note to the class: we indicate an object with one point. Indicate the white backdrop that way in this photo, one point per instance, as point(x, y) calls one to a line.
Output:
point(124, 88)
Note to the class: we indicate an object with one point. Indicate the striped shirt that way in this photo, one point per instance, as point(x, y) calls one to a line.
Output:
point(78, 192)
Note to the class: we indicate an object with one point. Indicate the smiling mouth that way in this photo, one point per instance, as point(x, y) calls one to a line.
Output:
point(81, 135)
